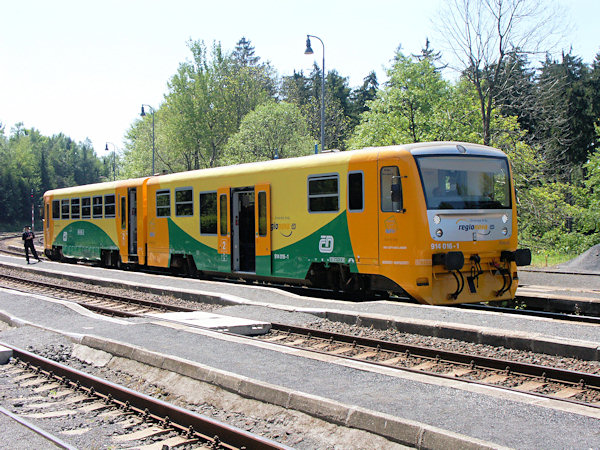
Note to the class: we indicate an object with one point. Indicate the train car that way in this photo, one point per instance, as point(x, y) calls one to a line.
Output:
point(436, 221)
point(103, 222)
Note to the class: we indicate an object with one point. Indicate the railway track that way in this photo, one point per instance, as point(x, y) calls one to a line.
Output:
point(59, 391)
point(532, 313)
point(577, 387)
point(548, 382)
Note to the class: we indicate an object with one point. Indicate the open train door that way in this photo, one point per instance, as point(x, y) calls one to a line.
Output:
point(262, 222)
point(132, 216)
point(224, 229)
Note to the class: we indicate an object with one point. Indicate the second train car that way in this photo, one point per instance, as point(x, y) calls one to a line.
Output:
point(436, 221)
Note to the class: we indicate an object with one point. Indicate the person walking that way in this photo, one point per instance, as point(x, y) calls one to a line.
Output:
point(28, 238)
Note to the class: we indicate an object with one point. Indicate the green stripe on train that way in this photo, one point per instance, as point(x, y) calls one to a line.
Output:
point(205, 257)
point(83, 240)
point(329, 244)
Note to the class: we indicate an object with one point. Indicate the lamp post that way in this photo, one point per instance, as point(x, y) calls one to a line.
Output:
point(309, 51)
point(114, 158)
point(143, 114)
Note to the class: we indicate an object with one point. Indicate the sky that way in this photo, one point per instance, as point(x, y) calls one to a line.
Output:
point(84, 68)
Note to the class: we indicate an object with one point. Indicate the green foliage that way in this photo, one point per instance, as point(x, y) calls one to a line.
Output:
point(31, 163)
point(205, 104)
point(272, 130)
point(417, 105)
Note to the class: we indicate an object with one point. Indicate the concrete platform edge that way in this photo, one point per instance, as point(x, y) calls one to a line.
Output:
point(397, 429)
point(404, 431)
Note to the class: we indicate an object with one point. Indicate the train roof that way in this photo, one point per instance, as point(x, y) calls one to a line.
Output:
point(452, 148)
point(95, 187)
point(329, 157)
point(335, 157)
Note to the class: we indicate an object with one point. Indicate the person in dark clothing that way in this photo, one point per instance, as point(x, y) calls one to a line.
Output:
point(28, 238)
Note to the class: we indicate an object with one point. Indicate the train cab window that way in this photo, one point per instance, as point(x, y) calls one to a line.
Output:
point(86, 208)
point(184, 202)
point(208, 213)
point(123, 212)
point(323, 193)
point(163, 203)
point(391, 190)
point(74, 208)
point(56, 209)
point(97, 207)
point(223, 215)
point(356, 192)
point(109, 205)
point(64, 208)
point(262, 213)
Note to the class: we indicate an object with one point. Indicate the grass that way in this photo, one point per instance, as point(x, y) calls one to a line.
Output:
point(547, 259)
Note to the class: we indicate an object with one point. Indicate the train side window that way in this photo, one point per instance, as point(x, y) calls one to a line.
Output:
point(184, 202)
point(262, 213)
point(223, 217)
point(109, 205)
point(97, 207)
point(391, 190)
point(163, 203)
point(74, 208)
point(64, 208)
point(356, 194)
point(323, 193)
point(86, 208)
point(56, 209)
point(123, 212)
point(208, 213)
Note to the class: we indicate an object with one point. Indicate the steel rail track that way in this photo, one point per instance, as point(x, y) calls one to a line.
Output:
point(117, 299)
point(39, 431)
point(532, 313)
point(184, 421)
point(579, 380)
point(531, 370)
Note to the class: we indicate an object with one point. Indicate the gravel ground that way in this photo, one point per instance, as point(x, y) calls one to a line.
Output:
point(288, 427)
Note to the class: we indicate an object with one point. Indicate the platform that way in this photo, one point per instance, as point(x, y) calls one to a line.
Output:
point(412, 408)
point(215, 322)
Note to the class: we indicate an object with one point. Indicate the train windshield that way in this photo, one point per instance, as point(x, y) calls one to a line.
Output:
point(465, 182)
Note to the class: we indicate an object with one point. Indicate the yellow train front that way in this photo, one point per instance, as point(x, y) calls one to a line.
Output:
point(436, 221)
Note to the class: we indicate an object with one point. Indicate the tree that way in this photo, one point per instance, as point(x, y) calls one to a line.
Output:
point(565, 125)
point(482, 33)
point(272, 130)
point(204, 106)
point(361, 96)
point(33, 163)
point(410, 108)
point(517, 95)
point(306, 93)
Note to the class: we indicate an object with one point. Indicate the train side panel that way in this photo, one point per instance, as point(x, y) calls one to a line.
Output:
point(96, 222)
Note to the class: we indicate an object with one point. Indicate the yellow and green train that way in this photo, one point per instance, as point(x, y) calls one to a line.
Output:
point(436, 221)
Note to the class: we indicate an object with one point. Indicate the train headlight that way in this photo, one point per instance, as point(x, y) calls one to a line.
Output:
point(504, 231)
point(436, 219)
point(439, 232)
point(504, 218)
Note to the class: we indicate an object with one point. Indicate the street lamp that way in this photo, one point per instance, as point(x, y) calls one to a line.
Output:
point(114, 158)
point(309, 51)
point(143, 114)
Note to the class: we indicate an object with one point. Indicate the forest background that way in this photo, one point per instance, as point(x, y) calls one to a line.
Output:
point(228, 107)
